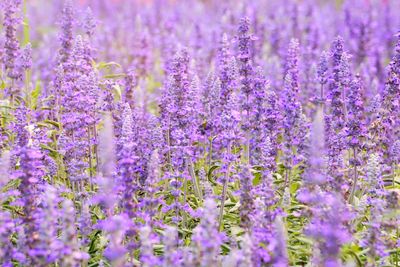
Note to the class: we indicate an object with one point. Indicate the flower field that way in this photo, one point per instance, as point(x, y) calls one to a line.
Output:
point(200, 133)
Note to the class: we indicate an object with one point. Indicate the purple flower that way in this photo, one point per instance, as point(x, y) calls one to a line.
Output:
point(245, 67)
point(142, 52)
point(244, 60)
point(89, 24)
point(355, 118)
point(11, 44)
point(389, 114)
point(148, 240)
point(7, 249)
point(328, 226)
point(335, 119)
point(72, 255)
point(279, 243)
point(322, 74)
point(262, 231)
point(172, 254)
point(206, 239)
point(178, 113)
point(25, 59)
point(259, 116)
point(127, 164)
point(246, 199)
point(293, 120)
point(66, 36)
point(107, 167)
point(211, 105)
point(115, 227)
point(130, 81)
point(48, 247)
point(31, 176)
point(315, 173)
point(227, 70)
point(79, 93)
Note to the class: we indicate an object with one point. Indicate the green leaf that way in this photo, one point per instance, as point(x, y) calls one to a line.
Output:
point(257, 179)
point(304, 240)
point(235, 208)
point(225, 249)
point(35, 94)
point(117, 92)
point(46, 147)
point(54, 123)
point(103, 65)
point(236, 230)
point(294, 187)
point(210, 172)
point(14, 183)
point(114, 76)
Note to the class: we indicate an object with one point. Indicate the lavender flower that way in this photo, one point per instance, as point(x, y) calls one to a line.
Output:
point(336, 118)
point(263, 218)
point(292, 112)
point(79, 95)
point(244, 59)
point(113, 130)
point(373, 177)
point(388, 115)
point(244, 258)
point(115, 227)
point(279, 243)
point(142, 56)
point(227, 70)
point(316, 171)
point(152, 201)
point(89, 22)
point(48, 248)
point(322, 74)
point(328, 227)
point(31, 176)
point(373, 238)
point(5, 162)
point(211, 105)
point(246, 200)
point(11, 43)
point(71, 253)
point(355, 127)
point(107, 166)
point(25, 59)
point(127, 164)
point(148, 240)
point(7, 250)
point(130, 84)
point(206, 238)
point(84, 222)
point(171, 252)
point(177, 115)
point(66, 37)
point(355, 123)
point(258, 117)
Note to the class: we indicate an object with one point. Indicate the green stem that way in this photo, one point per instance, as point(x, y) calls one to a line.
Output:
point(195, 180)
point(169, 149)
point(90, 162)
point(224, 192)
point(210, 151)
point(185, 189)
point(26, 31)
point(355, 178)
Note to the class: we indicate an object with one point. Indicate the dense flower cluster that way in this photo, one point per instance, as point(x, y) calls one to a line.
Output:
point(199, 133)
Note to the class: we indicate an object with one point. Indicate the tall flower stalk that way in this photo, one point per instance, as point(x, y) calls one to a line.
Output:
point(355, 129)
point(245, 66)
